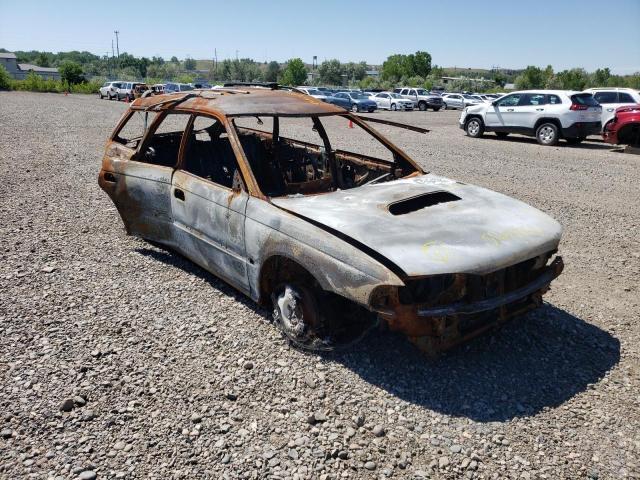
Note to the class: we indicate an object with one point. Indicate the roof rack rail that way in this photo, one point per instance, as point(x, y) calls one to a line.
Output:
point(271, 85)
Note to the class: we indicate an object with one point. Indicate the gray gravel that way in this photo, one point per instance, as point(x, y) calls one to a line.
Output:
point(120, 360)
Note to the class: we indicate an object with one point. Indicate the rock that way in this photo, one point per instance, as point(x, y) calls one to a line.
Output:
point(443, 462)
point(455, 448)
point(6, 433)
point(319, 417)
point(231, 396)
point(248, 365)
point(196, 418)
point(343, 455)
point(359, 420)
point(378, 431)
point(370, 465)
point(119, 445)
point(48, 269)
point(87, 475)
point(309, 381)
point(79, 401)
point(67, 405)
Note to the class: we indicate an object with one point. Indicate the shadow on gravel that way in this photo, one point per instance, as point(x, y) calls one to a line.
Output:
point(540, 360)
point(537, 361)
point(588, 144)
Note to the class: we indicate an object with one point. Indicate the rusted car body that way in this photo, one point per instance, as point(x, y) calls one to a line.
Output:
point(317, 231)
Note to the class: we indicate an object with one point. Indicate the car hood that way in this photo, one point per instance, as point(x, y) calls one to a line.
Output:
point(480, 232)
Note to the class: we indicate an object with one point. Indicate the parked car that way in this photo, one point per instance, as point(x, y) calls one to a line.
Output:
point(157, 88)
point(358, 101)
point(624, 127)
point(470, 100)
point(392, 101)
point(126, 91)
point(546, 114)
point(452, 101)
point(421, 98)
point(109, 90)
point(611, 99)
point(327, 239)
point(139, 89)
point(177, 87)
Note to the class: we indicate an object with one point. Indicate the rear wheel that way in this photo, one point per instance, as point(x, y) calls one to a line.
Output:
point(502, 134)
point(474, 127)
point(547, 134)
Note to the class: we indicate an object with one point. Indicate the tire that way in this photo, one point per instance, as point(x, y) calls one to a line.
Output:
point(474, 127)
point(436, 109)
point(109, 97)
point(547, 134)
point(393, 107)
point(354, 108)
point(444, 106)
point(100, 95)
point(422, 106)
point(127, 98)
point(502, 134)
point(575, 141)
point(371, 110)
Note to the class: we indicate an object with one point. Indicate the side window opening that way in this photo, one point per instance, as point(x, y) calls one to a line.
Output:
point(134, 129)
point(209, 154)
point(624, 97)
point(164, 145)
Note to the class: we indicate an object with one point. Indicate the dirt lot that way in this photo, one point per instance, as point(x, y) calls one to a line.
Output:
point(170, 374)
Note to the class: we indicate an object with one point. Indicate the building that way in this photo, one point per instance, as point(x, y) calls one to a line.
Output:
point(19, 71)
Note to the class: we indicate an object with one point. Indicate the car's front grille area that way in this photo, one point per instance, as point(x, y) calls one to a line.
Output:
point(444, 289)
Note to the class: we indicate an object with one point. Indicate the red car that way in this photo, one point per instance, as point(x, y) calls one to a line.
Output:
point(624, 129)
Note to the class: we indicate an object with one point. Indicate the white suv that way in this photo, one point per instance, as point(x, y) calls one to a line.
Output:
point(109, 90)
point(611, 98)
point(546, 114)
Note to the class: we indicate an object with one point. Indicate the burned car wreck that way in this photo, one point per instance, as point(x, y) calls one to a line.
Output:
point(327, 237)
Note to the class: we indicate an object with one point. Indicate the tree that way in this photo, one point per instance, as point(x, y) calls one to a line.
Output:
point(174, 59)
point(189, 64)
point(355, 71)
point(331, 72)
point(574, 79)
point(500, 79)
point(5, 79)
point(422, 62)
point(295, 72)
point(393, 68)
point(600, 77)
point(272, 72)
point(71, 72)
point(531, 77)
point(43, 60)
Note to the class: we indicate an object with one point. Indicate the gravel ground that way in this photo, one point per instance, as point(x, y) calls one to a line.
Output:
point(121, 360)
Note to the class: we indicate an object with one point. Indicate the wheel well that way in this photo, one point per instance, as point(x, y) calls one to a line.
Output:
point(555, 121)
point(469, 117)
point(278, 269)
point(629, 134)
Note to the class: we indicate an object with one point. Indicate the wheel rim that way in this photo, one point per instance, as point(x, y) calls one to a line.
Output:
point(289, 306)
point(422, 107)
point(393, 107)
point(354, 108)
point(473, 127)
point(547, 134)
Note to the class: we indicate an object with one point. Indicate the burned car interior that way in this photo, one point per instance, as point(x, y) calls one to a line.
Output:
point(249, 184)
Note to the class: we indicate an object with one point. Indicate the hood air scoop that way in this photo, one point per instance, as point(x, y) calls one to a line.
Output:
point(419, 202)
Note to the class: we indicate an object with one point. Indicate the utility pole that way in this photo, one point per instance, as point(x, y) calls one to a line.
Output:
point(215, 62)
point(117, 43)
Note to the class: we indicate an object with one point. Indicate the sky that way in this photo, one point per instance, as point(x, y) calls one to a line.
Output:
point(506, 34)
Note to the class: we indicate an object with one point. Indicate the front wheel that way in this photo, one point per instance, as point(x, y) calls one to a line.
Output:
point(444, 106)
point(393, 107)
point(422, 106)
point(547, 134)
point(354, 108)
point(100, 96)
point(474, 127)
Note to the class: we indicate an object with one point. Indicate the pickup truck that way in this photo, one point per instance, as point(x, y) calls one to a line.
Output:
point(422, 99)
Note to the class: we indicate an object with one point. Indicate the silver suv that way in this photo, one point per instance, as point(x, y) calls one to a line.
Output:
point(421, 98)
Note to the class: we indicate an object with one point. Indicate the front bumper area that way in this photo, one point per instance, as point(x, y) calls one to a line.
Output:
point(437, 328)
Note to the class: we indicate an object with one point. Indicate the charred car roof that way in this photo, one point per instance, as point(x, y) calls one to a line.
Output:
point(233, 102)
